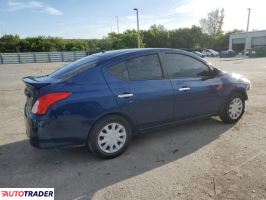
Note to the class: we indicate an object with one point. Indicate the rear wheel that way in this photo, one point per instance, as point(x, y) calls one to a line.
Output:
point(110, 137)
point(234, 109)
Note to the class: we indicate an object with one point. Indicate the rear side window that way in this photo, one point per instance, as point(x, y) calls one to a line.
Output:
point(185, 66)
point(76, 67)
point(140, 68)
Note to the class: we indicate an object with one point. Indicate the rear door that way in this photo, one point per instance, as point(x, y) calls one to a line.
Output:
point(141, 90)
point(195, 93)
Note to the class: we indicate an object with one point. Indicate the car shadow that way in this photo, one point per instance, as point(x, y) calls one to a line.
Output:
point(76, 174)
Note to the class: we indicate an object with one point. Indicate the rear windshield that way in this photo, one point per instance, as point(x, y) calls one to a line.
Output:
point(76, 67)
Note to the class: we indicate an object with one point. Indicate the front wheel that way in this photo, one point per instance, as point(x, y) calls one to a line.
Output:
point(110, 137)
point(234, 109)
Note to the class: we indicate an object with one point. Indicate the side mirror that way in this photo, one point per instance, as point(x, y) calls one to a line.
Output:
point(205, 73)
point(211, 74)
point(215, 71)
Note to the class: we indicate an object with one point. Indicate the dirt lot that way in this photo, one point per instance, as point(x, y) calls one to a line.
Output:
point(203, 160)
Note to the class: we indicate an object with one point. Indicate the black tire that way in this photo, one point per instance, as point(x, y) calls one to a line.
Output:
point(94, 134)
point(224, 114)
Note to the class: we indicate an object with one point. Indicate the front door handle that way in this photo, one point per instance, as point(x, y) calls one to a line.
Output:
point(184, 89)
point(125, 95)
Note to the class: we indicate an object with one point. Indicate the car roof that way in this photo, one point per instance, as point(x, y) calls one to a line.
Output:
point(109, 56)
point(117, 53)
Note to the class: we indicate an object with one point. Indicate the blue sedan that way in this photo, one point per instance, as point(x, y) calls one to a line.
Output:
point(99, 101)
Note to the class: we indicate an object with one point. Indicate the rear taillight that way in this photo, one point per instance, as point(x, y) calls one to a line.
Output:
point(43, 103)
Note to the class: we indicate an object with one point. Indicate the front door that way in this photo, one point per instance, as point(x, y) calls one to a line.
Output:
point(194, 93)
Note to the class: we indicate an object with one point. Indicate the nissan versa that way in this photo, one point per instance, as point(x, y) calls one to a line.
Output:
point(100, 100)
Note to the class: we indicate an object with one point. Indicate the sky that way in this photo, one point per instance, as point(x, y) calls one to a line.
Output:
point(86, 19)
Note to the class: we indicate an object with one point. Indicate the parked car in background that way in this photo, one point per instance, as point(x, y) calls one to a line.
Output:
point(210, 53)
point(227, 53)
point(198, 54)
point(99, 101)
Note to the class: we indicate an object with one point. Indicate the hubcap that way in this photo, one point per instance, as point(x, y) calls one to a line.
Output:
point(235, 108)
point(112, 137)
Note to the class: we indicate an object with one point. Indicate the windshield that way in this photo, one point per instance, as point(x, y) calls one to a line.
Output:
point(76, 67)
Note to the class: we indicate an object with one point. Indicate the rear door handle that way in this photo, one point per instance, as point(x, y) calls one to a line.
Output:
point(126, 95)
point(184, 89)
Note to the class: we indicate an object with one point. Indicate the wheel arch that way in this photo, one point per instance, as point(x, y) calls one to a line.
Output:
point(223, 114)
point(123, 115)
point(237, 90)
point(240, 91)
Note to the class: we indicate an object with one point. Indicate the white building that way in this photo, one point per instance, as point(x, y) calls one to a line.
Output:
point(247, 40)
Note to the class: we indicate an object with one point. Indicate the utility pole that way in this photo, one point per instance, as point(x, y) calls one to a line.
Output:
point(137, 13)
point(117, 24)
point(246, 41)
point(1, 29)
point(248, 18)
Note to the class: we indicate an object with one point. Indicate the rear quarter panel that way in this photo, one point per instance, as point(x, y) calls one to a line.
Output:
point(90, 99)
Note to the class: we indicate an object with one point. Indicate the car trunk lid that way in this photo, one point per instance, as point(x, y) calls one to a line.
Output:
point(33, 86)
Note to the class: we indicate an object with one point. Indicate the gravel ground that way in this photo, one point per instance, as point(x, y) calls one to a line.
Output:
point(202, 160)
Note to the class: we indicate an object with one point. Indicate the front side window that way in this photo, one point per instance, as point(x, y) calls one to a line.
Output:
point(181, 66)
point(140, 68)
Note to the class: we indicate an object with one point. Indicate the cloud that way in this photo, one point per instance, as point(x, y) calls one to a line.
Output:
point(170, 21)
point(191, 11)
point(178, 16)
point(235, 12)
point(33, 5)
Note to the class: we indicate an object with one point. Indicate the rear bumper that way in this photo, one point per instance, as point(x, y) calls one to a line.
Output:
point(32, 135)
point(53, 133)
point(39, 135)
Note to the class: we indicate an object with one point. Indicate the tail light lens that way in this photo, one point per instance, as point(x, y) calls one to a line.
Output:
point(44, 102)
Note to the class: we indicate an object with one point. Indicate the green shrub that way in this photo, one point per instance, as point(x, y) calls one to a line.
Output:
point(259, 52)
